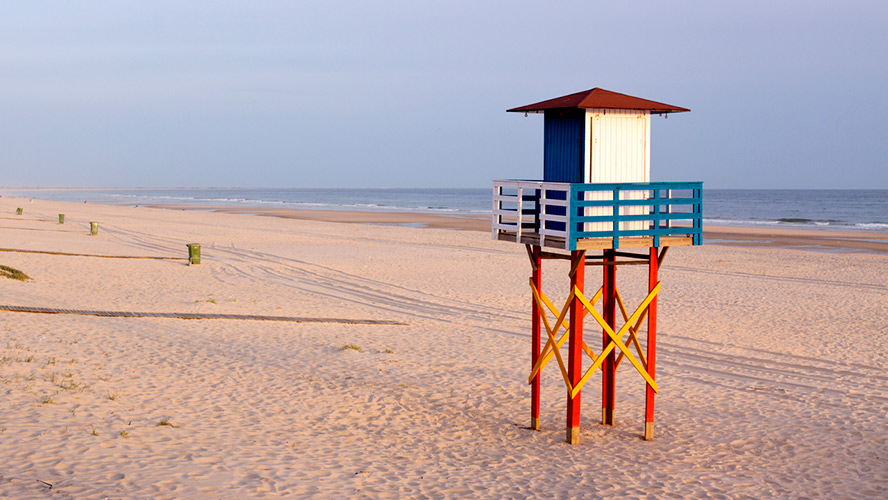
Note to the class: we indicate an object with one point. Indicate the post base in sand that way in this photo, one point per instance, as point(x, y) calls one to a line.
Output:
point(535, 423)
point(648, 431)
point(573, 435)
point(607, 417)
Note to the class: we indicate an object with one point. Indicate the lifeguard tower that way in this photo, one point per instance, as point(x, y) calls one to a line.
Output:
point(596, 195)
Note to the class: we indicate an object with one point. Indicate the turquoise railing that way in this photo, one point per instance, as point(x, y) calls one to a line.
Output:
point(658, 199)
point(575, 211)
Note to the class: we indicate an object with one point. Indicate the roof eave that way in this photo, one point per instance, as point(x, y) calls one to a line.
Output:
point(532, 109)
point(598, 98)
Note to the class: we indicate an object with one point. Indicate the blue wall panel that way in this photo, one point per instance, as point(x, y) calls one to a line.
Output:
point(562, 153)
point(563, 146)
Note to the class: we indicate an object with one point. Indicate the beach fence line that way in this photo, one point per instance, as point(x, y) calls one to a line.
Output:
point(93, 226)
point(193, 258)
point(193, 248)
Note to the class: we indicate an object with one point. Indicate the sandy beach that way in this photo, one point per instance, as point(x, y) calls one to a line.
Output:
point(398, 364)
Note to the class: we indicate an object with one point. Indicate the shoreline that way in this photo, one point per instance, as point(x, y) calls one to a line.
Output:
point(741, 236)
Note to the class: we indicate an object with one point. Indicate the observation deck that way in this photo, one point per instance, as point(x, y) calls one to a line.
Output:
point(584, 216)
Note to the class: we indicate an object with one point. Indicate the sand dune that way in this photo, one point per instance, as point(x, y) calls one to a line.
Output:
point(771, 364)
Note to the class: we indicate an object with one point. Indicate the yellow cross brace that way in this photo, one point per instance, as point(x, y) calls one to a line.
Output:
point(546, 354)
point(553, 345)
point(551, 334)
point(633, 332)
point(616, 337)
point(548, 351)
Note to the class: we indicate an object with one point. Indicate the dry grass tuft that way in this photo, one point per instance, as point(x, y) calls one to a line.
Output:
point(167, 423)
point(13, 274)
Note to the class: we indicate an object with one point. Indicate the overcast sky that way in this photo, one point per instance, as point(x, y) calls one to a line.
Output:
point(783, 94)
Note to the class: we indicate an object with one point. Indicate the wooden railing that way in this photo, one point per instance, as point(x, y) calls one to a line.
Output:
point(565, 213)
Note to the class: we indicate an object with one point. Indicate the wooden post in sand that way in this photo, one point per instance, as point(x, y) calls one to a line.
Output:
point(536, 278)
point(653, 279)
point(575, 345)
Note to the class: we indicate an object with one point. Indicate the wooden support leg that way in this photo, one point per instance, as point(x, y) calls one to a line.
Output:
point(651, 345)
point(575, 347)
point(609, 303)
point(535, 262)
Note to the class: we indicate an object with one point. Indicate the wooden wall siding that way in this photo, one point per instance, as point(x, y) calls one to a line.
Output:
point(618, 145)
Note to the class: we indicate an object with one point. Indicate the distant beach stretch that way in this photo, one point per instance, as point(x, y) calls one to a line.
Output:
point(835, 209)
point(747, 236)
point(318, 353)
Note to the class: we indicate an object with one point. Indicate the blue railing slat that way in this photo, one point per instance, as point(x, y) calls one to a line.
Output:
point(632, 186)
point(636, 203)
point(628, 218)
point(641, 232)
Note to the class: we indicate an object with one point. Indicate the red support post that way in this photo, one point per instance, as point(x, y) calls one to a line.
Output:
point(536, 264)
point(575, 345)
point(653, 279)
point(609, 303)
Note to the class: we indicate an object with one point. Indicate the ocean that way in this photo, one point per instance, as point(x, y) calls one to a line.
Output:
point(856, 209)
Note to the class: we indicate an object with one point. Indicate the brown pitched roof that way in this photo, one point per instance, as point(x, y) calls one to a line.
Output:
point(599, 98)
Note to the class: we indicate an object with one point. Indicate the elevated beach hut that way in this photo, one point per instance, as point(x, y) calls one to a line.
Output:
point(596, 195)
